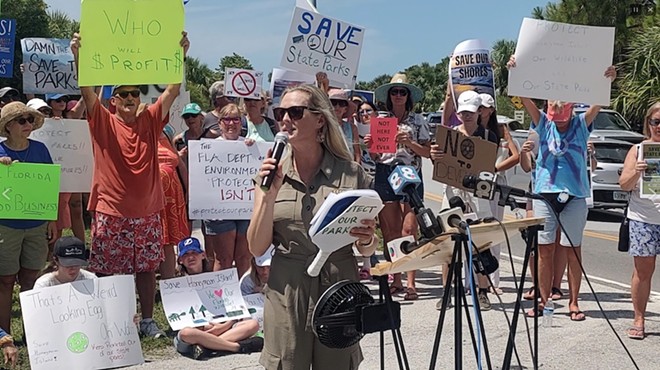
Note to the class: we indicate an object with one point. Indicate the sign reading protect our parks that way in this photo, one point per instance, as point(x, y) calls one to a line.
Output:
point(86, 324)
point(29, 191)
point(131, 42)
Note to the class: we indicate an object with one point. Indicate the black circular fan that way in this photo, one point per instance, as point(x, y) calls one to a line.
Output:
point(336, 319)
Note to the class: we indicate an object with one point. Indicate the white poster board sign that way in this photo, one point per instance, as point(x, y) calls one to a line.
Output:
point(243, 83)
point(281, 79)
point(70, 146)
point(561, 61)
point(196, 300)
point(320, 44)
point(255, 304)
point(48, 67)
point(83, 325)
point(221, 177)
point(175, 111)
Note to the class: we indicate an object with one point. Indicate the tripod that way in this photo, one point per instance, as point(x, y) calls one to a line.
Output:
point(460, 242)
point(394, 317)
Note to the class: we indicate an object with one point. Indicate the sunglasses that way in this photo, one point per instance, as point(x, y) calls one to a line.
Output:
point(60, 100)
point(366, 111)
point(654, 122)
point(189, 116)
point(228, 120)
point(22, 120)
point(125, 94)
point(251, 100)
point(337, 102)
point(400, 92)
point(295, 113)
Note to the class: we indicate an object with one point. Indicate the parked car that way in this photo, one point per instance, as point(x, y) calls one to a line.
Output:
point(609, 124)
point(434, 119)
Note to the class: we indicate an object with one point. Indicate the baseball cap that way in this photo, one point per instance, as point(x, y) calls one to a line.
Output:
point(8, 91)
point(337, 94)
point(264, 259)
point(37, 103)
point(468, 101)
point(50, 97)
point(70, 251)
point(117, 87)
point(487, 100)
point(189, 245)
point(191, 108)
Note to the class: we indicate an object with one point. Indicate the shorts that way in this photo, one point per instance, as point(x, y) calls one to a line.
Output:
point(644, 239)
point(22, 248)
point(573, 218)
point(217, 227)
point(383, 188)
point(125, 245)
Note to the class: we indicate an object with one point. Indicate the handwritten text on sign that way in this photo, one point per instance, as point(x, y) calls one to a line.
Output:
point(463, 156)
point(29, 191)
point(221, 178)
point(70, 146)
point(86, 324)
point(383, 134)
point(131, 42)
point(7, 39)
point(48, 66)
point(560, 61)
point(255, 304)
point(320, 44)
point(196, 300)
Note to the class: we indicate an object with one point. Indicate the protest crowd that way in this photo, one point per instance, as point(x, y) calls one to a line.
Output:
point(144, 180)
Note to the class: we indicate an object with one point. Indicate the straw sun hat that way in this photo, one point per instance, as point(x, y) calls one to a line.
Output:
point(17, 109)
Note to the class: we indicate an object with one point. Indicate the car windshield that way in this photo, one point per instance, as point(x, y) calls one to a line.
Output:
point(611, 153)
point(435, 119)
point(610, 121)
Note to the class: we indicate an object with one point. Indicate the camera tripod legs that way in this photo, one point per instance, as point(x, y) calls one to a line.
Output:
point(386, 296)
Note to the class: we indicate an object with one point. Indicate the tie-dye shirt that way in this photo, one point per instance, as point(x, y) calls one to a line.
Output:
point(562, 160)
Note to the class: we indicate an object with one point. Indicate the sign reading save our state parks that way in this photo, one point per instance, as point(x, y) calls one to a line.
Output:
point(131, 42)
point(29, 191)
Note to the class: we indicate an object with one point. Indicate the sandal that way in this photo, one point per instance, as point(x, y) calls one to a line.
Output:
point(394, 290)
point(411, 295)
point(635, 332)
point(578, 316)
point(556, 294)
point(530, 313)
point(365, 275)
point(529, 295)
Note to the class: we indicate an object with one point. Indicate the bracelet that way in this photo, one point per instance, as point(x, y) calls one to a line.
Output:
point(371, 242)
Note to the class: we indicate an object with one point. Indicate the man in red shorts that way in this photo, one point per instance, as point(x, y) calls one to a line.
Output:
point(126, 195)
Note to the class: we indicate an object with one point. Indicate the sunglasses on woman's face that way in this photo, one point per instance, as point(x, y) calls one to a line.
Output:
point(23, 120)
point(189, 116)
point(295, 113)
point(654, 122)
point(228, 120)
point(366, 111)
point(60, 100)
point(400, 92)
point(338, 102)
point(124, 94)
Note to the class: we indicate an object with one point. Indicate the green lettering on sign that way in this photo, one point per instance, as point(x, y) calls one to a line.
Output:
point(29, 191)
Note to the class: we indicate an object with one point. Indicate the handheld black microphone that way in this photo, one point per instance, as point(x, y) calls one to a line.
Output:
point(281, 139)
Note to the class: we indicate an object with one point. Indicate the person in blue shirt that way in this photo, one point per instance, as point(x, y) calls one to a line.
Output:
point(23, 243)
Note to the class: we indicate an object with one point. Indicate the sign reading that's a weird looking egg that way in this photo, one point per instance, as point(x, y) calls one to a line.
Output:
point(320, 44)
point(131, 42)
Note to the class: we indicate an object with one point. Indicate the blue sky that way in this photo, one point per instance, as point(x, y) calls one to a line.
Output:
point(396, 36)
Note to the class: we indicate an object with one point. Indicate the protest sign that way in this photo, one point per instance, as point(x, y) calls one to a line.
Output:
point(364, 94)
point(383, 134)
point(196, 300)
point(86, 324)
point(560, 61)
point(243, 83)
point(221, 178)
point(175, 111)
point(48, 66)
point(255, 305)
point(464, 155)
point(281, 79)
point(320, 44)
point(7, 40)
point(649, 182)
point(470, 69)
point(70, 146)
point(131, 42)
point(30, 191)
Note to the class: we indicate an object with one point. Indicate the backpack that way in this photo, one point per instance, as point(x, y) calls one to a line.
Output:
point(271, 124)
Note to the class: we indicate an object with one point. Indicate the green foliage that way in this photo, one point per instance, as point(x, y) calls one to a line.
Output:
point(198, 78)
point(639, 75)
point(60, 26)
point(502, 51)
point(373, 84)
point(232, 61)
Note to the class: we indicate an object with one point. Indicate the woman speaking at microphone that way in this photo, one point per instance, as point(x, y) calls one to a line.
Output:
point(317, 163)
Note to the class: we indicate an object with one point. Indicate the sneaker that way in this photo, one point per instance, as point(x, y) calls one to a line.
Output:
point(149, 328)
point(185, 349)
point(250, 345)
point(484, 302)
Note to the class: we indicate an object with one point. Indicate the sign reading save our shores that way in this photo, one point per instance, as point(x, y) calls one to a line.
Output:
point(320, 44)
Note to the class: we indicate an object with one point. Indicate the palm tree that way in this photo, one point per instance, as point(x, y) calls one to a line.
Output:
point(60, 26)
point(502, 51)
point(198, 79)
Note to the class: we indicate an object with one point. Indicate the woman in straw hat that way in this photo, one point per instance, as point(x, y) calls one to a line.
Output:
point(24, 242)
point(413, 142)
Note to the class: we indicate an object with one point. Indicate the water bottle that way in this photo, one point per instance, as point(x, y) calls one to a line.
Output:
point(548, 312)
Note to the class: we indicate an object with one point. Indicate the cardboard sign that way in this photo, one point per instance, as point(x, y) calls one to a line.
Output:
point(131, 42)
point(470, 69)
point(464, 155)
point(320, 44)
point(243, 83)
point(561, 61)
point(197, 300)
point(649, 182)
point(383, 134)
point(48, 67)
point(29, 191)
point(281, 79)
point(255, 304)
point(86, 324)
point(70, 146)
point(221, 178)
point(7, 40)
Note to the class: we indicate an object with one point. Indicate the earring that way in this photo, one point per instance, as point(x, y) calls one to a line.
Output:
point(320, 136)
